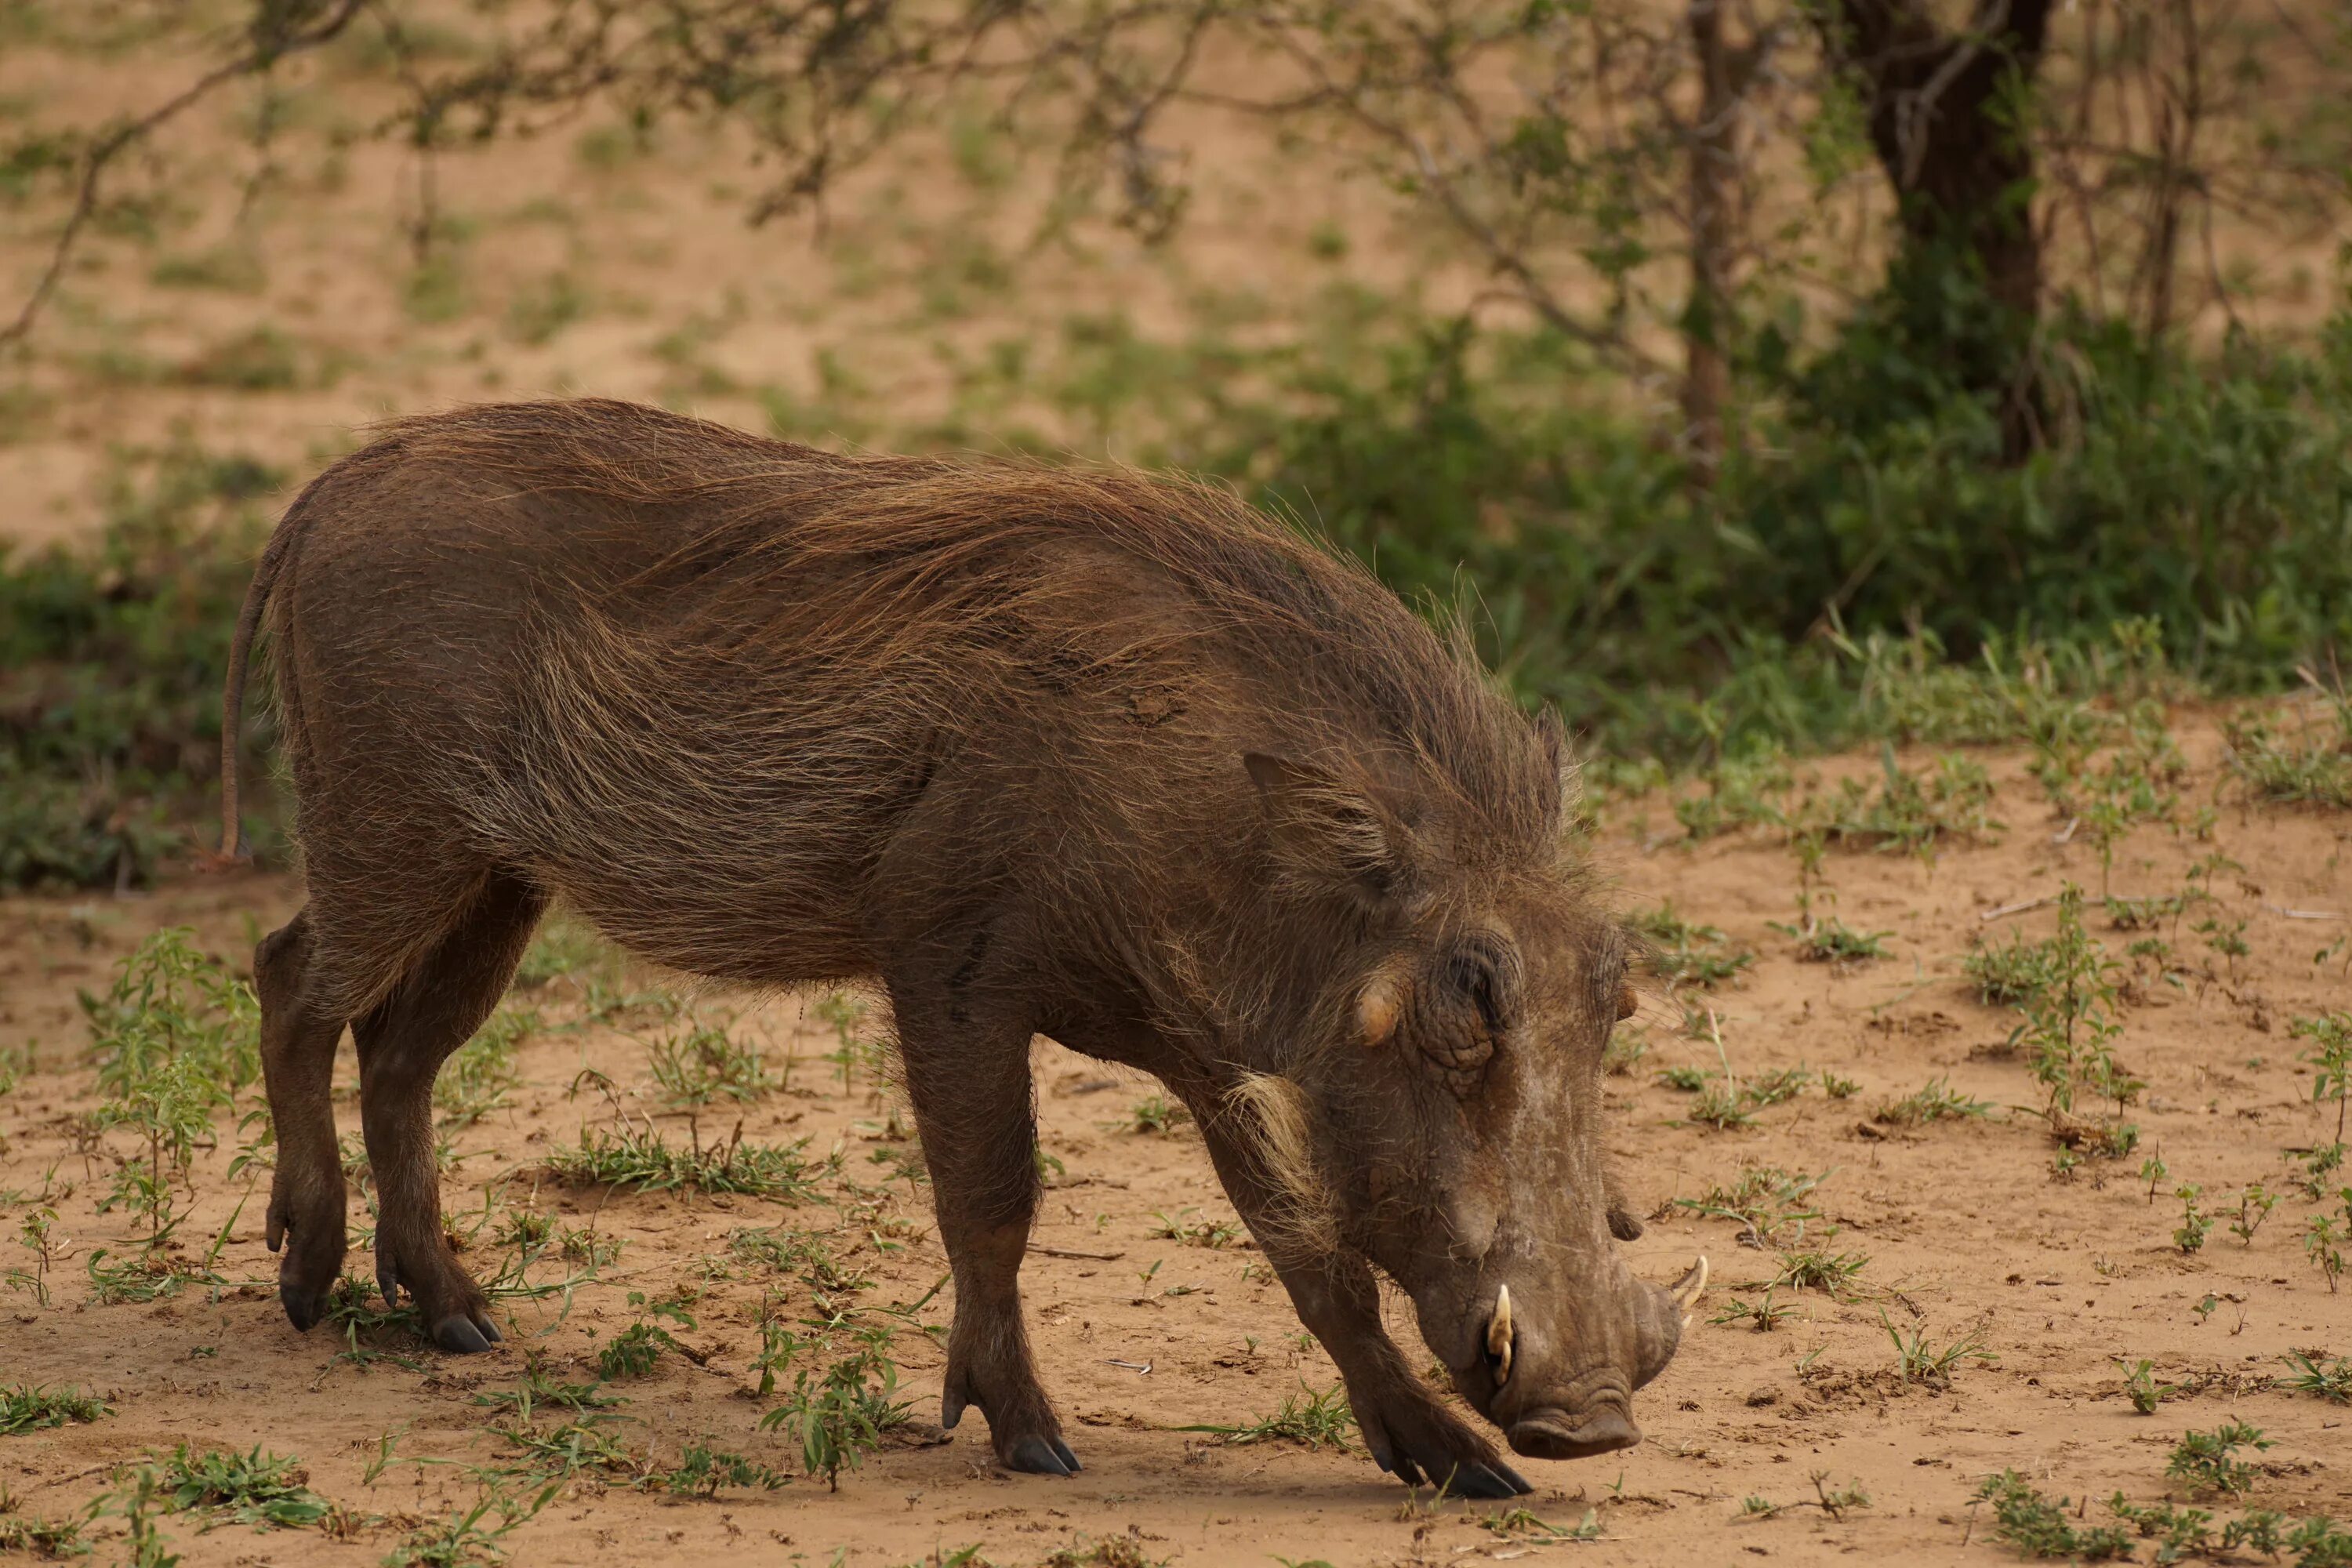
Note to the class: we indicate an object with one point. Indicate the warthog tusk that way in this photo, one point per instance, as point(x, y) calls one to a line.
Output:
point(1498, 1336)
point(1686, 1288)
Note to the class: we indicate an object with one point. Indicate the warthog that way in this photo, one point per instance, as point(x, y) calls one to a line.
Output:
point(1072, 753)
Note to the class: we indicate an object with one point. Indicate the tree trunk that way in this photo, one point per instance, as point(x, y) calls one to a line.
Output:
point(1706, 317)
point(1941, 109)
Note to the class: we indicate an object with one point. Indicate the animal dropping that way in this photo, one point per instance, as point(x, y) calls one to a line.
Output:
point(1066, 751)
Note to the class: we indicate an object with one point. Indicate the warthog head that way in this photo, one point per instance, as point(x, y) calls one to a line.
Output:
point(1445, 1110)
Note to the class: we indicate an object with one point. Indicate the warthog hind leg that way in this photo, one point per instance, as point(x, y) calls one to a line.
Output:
point(298, 1064)
point(403, 1042)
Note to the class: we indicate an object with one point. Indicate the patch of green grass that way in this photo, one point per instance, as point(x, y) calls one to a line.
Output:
point(262, 359)
point(1937, 1100)
point(1919, 1358)
point(477, 1077)
point(1686, 953)
point(1317, 1420)
point(798, 1253)
point(1189, 1232)
point(2294, 759)
point(706, 1064)
point(2039, 1526)
point(1766, 1203)
point(1832, 941)
point(36, 1536)
point(474, 1534)
point(1155, 1114)
point(176, 1040)
point(538, 310)
point(564, 947)
point(1818, 1268)
point(1906, 811)
point(1627, 1045)
point(256, 1488)
point(646, 1163)
point(235, 269)
point(29, 1407)
point(539, 1390)
point(2331, 1381)
point(704, 1472)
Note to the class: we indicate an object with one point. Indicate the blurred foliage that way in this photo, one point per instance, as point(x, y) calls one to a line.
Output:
point(110, 666)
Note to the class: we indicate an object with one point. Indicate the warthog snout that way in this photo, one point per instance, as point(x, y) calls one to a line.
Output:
point(1555, 1403)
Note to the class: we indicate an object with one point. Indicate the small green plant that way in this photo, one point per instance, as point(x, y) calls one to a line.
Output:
point(1155, 1114)
point(256, 1488)
point(1937, 1100)
point(1833, 943)
point(1908, 811)
point(1317, 1420)
point(704, 1472)
point(2331, 1061)
point(467, 1536)
point(1686, 953)
point(839, 1417)
point(29, 1407)
point(1525, 1522)
point(1628, 1043)
point(634, 1351)
point(2034, 1526)
point(1762, 1315)
point(2254, 1206)
point(2206, 1462)
point(1920, 1360)
point(1818, 1269)
point(176, 1040)
point(2190, 1234)
point(2323, 1241)
point(2332, 1380)
point(2153, 1170)
point(1213, 1234)
point(706, 1064)
point(38, 1537)
point(855, 1048)
point(2140, 1386)
point(1766, 1203)
point(2071, 1020)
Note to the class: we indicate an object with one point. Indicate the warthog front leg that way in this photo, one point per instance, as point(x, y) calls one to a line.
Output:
point(968, 1075)
point(1406, 1426)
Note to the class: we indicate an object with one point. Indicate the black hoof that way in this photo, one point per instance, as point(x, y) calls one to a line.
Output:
point(1037, 1457)
point(1494, 1480)
point(303, 1307)
point(462, 1336)
point(1069, 1459)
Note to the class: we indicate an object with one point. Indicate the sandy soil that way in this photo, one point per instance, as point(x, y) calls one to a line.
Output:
point(1965, 1226)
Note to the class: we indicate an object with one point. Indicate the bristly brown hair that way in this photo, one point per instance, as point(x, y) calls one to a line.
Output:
point(716, 620)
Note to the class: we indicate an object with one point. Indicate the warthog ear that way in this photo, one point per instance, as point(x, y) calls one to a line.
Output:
point(1552, 735)
point(1324, 830)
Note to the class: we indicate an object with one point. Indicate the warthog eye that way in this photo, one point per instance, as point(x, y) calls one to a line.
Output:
point(1482, 974)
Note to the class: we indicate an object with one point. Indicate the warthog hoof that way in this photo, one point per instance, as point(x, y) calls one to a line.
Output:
point(465, 1335)
point(1043, 1457)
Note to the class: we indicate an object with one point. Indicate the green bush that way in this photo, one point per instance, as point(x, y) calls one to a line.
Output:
point(110, 666)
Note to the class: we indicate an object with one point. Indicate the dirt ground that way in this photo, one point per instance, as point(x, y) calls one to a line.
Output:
point(1966, 1228)
point(579, 263)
